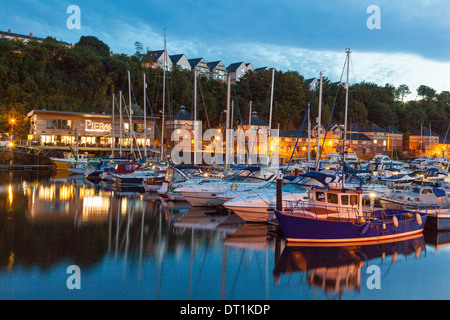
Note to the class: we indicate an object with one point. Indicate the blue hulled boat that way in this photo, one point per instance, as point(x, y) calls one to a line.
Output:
point(334, 214)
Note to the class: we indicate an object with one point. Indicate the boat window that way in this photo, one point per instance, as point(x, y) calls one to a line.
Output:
point(344, 200)
point(332, 198)
point(427, 191)
point(320, 196)
point(128, 167)
point(353, 200)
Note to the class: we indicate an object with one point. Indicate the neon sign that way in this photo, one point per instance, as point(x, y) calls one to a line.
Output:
point(97, 126)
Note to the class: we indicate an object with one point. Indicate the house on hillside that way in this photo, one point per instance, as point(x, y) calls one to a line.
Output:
point(156, 59)
point(200, 65)
point(15, 36)
point(236, 71)
point(181, 61)
point(217, 71)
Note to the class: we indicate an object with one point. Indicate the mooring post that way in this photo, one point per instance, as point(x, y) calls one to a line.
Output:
point(279, 205)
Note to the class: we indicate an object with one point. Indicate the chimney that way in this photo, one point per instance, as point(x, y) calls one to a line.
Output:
point(9, 30)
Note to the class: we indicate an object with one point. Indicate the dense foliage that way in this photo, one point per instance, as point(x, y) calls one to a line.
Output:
point(51, 76)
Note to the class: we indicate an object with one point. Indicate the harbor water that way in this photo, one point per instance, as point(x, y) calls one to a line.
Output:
point(133, 245)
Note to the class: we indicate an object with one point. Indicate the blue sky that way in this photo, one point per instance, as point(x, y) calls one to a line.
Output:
point(412, 46)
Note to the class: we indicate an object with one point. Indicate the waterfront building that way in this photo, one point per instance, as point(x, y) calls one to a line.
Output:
point(176, 123)
point(379, 137)
point(395, 139)
point(423, 142)
point(60, 129)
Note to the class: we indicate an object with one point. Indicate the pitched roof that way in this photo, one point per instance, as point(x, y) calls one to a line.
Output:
point(354, 128)
point(176, 57)
point(194, 62)
point(256, 121)
point(214, 64)
point(424, 132)
point(153, 55)
point(374, 128)
point(357, 136)
point(262, 69)
point(292, 133)
point(182, 115)
point(234, 66)
point(391, 129)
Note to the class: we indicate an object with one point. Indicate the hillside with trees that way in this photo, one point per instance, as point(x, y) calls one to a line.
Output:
point(51, 76)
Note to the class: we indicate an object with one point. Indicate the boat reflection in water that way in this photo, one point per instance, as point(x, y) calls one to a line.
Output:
point(336, 269)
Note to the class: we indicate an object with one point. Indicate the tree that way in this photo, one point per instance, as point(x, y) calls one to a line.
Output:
point(401, 92)
point(101, 48)
point(425, 92)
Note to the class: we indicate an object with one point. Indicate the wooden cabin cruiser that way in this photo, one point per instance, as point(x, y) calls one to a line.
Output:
point(206, 193)
point(335, 215)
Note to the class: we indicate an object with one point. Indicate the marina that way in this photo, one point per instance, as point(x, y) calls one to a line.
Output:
point(293, 169)
point(136, 245)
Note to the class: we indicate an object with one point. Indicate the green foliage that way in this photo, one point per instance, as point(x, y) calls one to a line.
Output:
point(49, 75)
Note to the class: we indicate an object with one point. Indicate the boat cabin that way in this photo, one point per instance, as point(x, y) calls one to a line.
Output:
point(126, 167)
point(336, 200)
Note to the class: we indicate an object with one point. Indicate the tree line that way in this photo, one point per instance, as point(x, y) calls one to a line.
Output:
point(49, 75)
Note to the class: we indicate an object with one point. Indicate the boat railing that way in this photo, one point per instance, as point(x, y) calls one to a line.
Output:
point(327, 212)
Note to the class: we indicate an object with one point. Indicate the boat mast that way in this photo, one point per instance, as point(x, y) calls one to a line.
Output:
point(130, 131)
point(145, 119)
point(120, 123)
point(112, 127)
point(164, 97)
point(270, 114)
point(319, 124)
point(195, 116)
point(345, 120)
point(227, 151)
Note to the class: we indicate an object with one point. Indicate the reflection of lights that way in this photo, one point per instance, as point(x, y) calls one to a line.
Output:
point(10, 261)
point(10, 195)
point(95, 206)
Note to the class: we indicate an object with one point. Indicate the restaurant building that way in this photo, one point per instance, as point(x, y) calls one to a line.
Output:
point(94, 130)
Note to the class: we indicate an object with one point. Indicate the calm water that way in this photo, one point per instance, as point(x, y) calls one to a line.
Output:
point(135, 246)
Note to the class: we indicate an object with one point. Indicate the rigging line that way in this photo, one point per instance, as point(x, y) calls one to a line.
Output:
point(301, 130)
point(332, 110)
point(240, 117)
point(154, 119)
point(267, 98)
point(204, 105)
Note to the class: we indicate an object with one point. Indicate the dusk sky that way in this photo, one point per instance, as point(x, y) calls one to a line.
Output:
point(412, 47)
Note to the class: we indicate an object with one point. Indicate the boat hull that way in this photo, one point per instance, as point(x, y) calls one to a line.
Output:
point(304, 229)
point(251, 214)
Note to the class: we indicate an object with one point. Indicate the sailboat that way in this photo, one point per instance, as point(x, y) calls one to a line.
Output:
point(334, 213)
